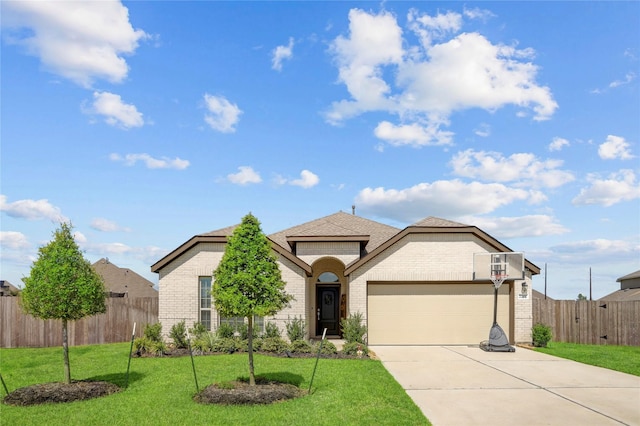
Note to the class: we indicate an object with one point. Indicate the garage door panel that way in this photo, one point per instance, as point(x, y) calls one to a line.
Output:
point(434, 313)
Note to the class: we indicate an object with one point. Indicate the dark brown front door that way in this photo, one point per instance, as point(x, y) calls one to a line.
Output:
point(328, 310)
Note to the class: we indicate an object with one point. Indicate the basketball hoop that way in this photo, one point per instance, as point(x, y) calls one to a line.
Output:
point(498, 279)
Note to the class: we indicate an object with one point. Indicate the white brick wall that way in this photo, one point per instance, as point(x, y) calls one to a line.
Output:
point(310, 252)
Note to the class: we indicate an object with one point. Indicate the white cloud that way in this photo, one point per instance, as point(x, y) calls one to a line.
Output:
point(615, 148)
point(81, 41)
point(558, 143)
point(245, 176)
point(476, 13)
point(116, 112)
point(483, 130)
point(522, 168)
point(425, 84)
point(13, 240)
point(151, 162)
point(517, 227)
point(105, 225)
point(280, 53)
point(618, 187)
point(32, 210)
point(628, 78)
point(412, 134)
point(448, 199)
point(586, 251)
point(222, 115)
point(307, 179)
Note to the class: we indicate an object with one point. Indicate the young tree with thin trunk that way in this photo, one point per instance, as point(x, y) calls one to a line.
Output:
point(248, 282)
point(63, 285)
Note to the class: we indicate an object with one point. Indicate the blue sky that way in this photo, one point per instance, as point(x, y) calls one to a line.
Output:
point(145, 123)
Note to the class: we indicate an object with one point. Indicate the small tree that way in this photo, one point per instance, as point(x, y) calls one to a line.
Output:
point(248, 281)
point(581, 297)
point(63, 285)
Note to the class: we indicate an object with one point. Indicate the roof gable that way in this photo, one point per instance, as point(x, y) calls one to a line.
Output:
point(124, 280)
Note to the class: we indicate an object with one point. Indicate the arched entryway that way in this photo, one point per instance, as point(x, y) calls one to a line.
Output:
point(329, 292)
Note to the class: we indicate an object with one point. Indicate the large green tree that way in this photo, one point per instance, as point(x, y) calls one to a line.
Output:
point(248, 282)
point(62, 285)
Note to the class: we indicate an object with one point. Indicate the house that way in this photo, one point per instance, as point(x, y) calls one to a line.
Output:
point(539, 295)
point(629, 289)
point(123, 282)
point(412, 286)
point(8, 289)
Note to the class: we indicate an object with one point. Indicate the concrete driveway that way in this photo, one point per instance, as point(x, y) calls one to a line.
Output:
point(459, 385)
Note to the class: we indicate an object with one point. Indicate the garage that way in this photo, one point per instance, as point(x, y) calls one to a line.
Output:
point(401, 313)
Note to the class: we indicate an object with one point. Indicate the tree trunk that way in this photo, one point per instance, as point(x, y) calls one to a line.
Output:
point(65, 351)
point(252, 377)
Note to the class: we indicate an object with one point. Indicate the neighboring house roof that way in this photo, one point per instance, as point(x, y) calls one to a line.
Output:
point(627, 294)
point(124, 280)
point(629, 289)
point(539, 295)
point(8, 289)
point(630, 276)
point(374, 237)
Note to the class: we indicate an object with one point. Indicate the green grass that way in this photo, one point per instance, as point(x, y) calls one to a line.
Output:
point(160, 390)
point(620, 358)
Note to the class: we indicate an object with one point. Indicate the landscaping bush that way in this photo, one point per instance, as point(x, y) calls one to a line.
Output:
point(204, 342)
point(300, 347)
point(274, 344)
point(244, 331)
point(328, 348)
point(225, 331)
point(353, 330)
point(178, 334)
point(271, 330)
point(541, 335)
point(295, 329)
point(226, 344)
point(352, 348)
point(151, 342)
point(198, 330)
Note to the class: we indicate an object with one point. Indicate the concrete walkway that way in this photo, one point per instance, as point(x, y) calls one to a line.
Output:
point(459, 385)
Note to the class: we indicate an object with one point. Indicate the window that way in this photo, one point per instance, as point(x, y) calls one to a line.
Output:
point(328, 277)
point(205, 301)
point(237, 322)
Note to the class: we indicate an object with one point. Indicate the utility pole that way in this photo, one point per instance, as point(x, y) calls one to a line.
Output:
point(590, 298)
point(545, 281)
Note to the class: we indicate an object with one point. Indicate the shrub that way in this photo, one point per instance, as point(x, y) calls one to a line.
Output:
point(153, 332)
point(541, 335)
point(198, 330)
point(328, 348)
point(295, 329)
point(274, 344)
point(300, 347)
point(271, 330)
point(353, 330)
point(244, 331)
point(225, 344)
point(204, 342)
point(352, 348)
point(225, 331)
point(151, 341)
point(178, 334)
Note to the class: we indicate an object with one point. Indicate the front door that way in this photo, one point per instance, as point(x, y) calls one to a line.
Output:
point(328, 310)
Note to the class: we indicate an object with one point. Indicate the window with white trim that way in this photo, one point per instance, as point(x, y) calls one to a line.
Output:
point(205, 301)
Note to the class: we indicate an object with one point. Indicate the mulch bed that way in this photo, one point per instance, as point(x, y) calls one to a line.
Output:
point(60, 392)
point(240, 393)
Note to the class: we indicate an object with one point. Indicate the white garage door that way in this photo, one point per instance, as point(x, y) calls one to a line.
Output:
point(434, 314)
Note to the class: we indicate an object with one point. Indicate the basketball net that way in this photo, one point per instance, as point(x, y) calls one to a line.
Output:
point(498, 279)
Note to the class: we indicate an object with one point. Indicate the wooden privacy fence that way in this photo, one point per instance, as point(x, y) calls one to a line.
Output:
point(590, 322)
point(20, 330)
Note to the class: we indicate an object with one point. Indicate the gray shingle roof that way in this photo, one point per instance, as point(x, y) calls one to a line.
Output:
point(339, 225)
point(124, 280)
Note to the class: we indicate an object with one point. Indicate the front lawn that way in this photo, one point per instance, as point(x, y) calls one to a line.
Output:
point(345, 391)
point(619, 358)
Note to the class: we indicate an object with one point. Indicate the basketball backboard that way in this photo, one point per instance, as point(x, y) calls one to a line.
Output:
point(506, 265)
